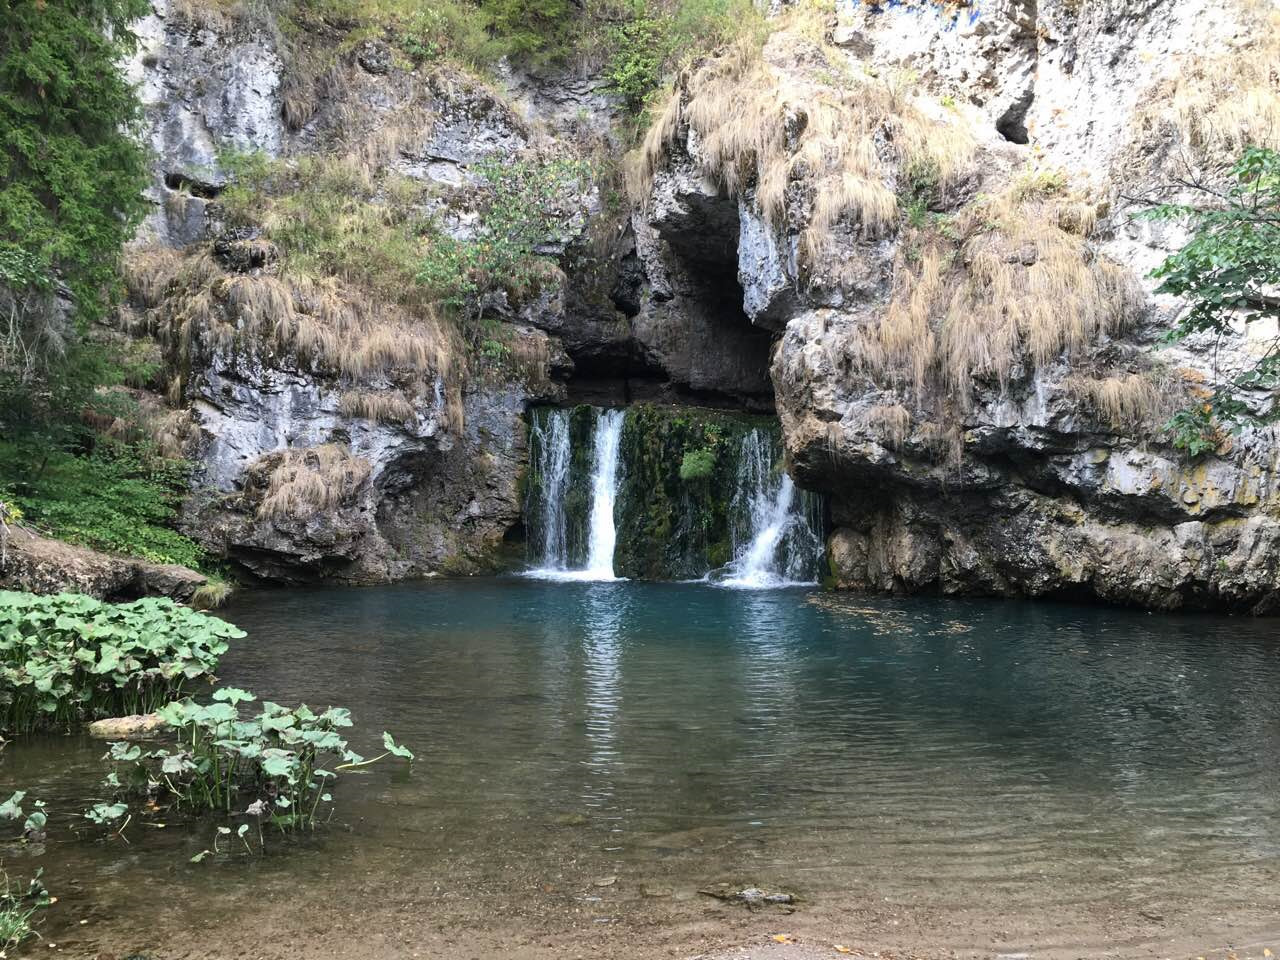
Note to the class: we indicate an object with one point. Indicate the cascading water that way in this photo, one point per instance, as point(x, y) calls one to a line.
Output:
point(777, 537)
point(603, 535)
point(666, 493)
point(550, 442)
point(550, 489)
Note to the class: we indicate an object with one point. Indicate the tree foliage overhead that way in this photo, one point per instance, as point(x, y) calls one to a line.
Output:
point(71, 177)
point(1229, 272)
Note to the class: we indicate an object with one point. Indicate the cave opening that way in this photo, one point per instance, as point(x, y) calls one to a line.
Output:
point(689, 339)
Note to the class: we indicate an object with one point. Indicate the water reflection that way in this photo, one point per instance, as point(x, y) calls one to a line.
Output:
point(1019, 757)
point(601, 619)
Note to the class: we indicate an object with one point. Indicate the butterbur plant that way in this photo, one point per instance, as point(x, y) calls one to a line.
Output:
point(67, 659)
point(33, 823)
point(274, 766)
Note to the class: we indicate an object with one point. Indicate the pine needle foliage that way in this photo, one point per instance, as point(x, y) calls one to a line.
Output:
point(71, 179)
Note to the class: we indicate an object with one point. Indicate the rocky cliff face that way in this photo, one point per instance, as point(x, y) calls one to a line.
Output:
point(907, 227)
point(322, 468)
point(974, 373)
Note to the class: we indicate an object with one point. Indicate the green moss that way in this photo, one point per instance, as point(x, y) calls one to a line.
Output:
point(697, 465)
point(680, 473)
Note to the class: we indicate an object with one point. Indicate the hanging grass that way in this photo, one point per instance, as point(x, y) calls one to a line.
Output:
point(68, 659)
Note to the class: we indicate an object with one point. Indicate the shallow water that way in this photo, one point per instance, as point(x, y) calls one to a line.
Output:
point(1006, 774)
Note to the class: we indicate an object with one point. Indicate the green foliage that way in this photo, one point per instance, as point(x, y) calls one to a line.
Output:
point(77, 658)
point(328, 217)
point(18, 907)
point(71, 179)
point(657, 38)
point(68, 658)
point(697, 464)
point(1228, 271)
point(537, 31)
point(269, 766)
point(120, 497)
point(640, 51)
point(447, 30)
point(921, 190)
point(527, 203)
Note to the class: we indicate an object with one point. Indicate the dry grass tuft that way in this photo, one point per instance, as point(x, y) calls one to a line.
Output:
point(1127, 402)
point(385, 406)
point(1014, 292)
point(304, 482)
point(838, 146)
point(890, 423)
point(1220, 105)
point(192, 307)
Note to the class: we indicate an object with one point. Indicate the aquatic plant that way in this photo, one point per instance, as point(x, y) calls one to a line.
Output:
point(270, 767)
point(68, 658)
point(32, 823)
point(18, 907)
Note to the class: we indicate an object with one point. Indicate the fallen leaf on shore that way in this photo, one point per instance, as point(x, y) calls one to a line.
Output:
point(841, 948)
point(782, 938)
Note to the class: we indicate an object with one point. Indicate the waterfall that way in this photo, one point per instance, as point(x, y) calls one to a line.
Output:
point(604, 489)
point(776, 528)
point(550, 486)
point(607, 496)
point(550, 444)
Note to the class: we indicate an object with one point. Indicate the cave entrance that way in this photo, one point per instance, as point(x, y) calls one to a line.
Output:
point(691, 340)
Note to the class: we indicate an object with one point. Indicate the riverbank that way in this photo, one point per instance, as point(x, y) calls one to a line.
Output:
point(556, 913)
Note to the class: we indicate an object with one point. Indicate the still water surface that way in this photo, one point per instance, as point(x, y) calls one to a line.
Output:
point(1017, 774)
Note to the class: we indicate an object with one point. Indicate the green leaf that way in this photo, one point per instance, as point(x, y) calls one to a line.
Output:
point(394, 748)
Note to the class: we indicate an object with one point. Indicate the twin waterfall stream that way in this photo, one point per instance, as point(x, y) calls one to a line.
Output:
point(579, 482)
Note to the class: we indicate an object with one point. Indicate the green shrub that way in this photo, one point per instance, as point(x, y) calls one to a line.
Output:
point(527, 203)
point(269, 766)
point(68, 658)
point(119, 498)
point(640, 51)
point(697, 465)
point(537, 31)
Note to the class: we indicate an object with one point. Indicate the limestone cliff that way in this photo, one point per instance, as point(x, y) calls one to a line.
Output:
point(934, 204)
point(906, 227)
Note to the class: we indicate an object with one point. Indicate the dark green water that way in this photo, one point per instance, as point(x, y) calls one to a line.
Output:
point(1051, 765)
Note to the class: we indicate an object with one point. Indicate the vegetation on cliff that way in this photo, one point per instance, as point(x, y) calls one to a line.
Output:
point(1229, 273)
point(75, 456)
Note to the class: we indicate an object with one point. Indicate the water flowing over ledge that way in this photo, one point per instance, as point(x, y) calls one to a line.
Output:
point(673, 494)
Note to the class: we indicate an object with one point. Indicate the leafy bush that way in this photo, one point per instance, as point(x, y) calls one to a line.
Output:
point(119, 498)
point(527, 204)
point(697, 465)
point(69, 658)
point(1228, 272)
point(640, 50)
point(662, 36)
point(538, 31)
point(267, 767)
